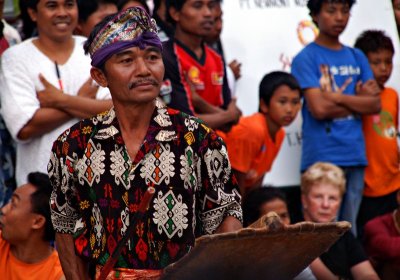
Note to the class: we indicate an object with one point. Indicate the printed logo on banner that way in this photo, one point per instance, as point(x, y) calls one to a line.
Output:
point(306, 32)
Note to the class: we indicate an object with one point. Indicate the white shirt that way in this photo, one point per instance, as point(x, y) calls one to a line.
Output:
point(19, 82)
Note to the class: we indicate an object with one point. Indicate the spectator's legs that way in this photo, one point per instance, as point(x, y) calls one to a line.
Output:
point(353, 196)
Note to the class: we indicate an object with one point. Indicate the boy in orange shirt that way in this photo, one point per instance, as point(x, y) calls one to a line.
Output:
point(254, 142)
point(26, 232)
point(382, 175)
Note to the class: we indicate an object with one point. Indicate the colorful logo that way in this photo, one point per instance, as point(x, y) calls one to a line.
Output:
point(306, 32)
point(217, 78)
point(194, 77)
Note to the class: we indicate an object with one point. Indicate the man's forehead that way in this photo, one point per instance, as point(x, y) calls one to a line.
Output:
point(55, 1)
point(24, 192)
point(135, 49)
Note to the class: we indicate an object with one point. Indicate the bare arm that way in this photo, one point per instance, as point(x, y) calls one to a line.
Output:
point(203, 107)
point(322, 107)
point(73, 266)
point(222, 119)
point(366, 101)
point(81, 106)
point(321, 272)
point(43, 121)
point(241, 178)
point(229, 224)
point(76, 106)
point(323, 103)
point(364, 271)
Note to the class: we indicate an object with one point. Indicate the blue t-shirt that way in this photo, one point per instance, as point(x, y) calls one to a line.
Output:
point(339, 141)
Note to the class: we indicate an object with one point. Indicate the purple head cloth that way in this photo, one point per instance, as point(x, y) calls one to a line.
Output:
point(132, 27)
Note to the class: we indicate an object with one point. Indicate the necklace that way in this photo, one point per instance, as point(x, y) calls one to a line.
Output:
point(396, 224)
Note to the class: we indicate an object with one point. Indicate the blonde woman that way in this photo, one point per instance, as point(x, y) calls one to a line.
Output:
point(322, 188)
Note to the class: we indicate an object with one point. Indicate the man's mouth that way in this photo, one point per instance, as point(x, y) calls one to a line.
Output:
point(147, 82)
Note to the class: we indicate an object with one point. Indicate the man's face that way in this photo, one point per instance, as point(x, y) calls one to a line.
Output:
point(55, 19)
point(396, 9)
point(17, 217)
point(104, 10)
point(215, 33)
point(279, 207)
point(332, 18)
point(134, 75)
point(283, 106)
point(196, 17)
point(382, 65)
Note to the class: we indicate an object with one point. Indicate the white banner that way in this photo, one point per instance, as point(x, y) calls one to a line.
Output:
point(265, 35)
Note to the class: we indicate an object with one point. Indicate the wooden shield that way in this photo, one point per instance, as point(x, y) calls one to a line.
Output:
point(265, 250)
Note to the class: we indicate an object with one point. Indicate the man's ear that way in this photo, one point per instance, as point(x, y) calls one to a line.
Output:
point(174, 13)
point(263, 106)
point(39, 222)
point(99, 76)
point(32, 14)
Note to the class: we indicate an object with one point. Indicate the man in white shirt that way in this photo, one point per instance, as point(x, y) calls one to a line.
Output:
point(46, 85)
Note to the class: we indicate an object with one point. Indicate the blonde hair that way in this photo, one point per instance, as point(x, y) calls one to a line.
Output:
point(323, 172)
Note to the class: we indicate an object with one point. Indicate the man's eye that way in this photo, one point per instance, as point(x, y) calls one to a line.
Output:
point(126, 60)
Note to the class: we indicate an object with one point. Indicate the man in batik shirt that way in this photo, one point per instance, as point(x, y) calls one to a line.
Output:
point(101, 167)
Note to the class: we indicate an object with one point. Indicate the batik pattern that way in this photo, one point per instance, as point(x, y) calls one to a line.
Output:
point(97, 187)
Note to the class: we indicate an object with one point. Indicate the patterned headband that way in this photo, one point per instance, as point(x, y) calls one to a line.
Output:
point(129, 28)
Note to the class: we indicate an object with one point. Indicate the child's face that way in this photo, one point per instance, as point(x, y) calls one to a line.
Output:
point(332, 18)
point(283, 106)
point(382, 65)
point(279, 207)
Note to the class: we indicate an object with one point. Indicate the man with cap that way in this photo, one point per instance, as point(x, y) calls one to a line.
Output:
point(101, 167)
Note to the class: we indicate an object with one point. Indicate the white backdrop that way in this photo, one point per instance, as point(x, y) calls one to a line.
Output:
point(265, 36)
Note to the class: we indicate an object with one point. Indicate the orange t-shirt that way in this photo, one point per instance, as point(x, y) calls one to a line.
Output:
point(13, 269)
point(250, 147)
point(382, 175)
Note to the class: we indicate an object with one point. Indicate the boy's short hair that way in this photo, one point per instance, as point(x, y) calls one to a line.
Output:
point(314, 6)
point(271, 81)
point(87, 8)
point(253, 201)
point(325, 173)
point(176, 4)
point(32, 4)
point(40, 201)
point(373, 41)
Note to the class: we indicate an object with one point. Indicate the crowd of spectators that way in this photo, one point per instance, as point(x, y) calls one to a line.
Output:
point(55, 87)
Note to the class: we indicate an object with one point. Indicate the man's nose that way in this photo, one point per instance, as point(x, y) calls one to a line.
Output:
point(62, 11)
point(4, 209)
point(142, 67)
point(339, 16)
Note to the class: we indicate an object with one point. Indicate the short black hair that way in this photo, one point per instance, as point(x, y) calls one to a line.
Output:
point(32, 4)
point(40, 200)
point(121, 3)
point(314, 6)
point(271, 81)
point(253, 201)
point(177, 5)
point(87, 8)
point(373, 41)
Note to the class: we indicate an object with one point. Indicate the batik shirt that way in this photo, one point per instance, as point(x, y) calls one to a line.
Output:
point(97, 186)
